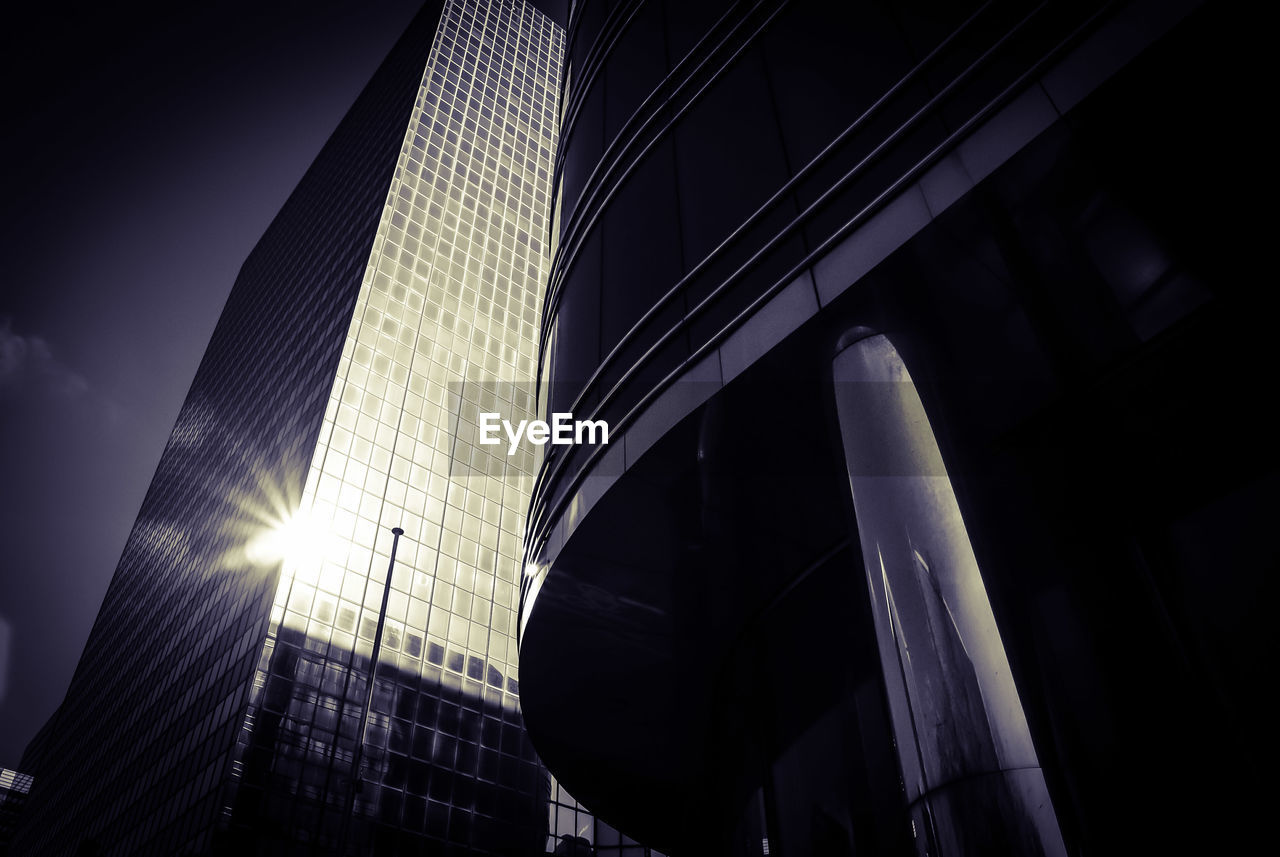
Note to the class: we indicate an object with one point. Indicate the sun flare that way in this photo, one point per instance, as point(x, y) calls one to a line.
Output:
point(293, 541)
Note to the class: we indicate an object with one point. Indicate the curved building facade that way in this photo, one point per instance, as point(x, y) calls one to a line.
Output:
point(925, 520)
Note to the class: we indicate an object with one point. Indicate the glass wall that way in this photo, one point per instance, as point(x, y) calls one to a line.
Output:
point(14, 788)
point(444, 328)
point(135, 760)
point(572, 831)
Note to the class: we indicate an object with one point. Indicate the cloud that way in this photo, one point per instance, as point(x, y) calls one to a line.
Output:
point(28, 361)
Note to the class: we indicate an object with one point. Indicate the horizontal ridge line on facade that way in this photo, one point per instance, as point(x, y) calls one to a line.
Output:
point(672, 79)
point(560, 266)
point(794, 224)
point(610, 29)
point(537, 527)
point(574, 232)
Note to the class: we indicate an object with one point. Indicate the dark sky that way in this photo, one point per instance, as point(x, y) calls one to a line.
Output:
point(145, 150)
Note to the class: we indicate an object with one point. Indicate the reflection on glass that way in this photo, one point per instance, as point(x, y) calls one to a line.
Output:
point(572, 830)
point(971, 774)
point(444, 327)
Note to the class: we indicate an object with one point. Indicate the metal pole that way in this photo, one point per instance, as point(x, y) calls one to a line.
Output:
point(356, 780)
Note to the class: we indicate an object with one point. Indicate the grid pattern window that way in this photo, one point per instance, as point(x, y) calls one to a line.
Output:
point(573, 830)
point(14, 788)
point(135, 759)
point(445, 328)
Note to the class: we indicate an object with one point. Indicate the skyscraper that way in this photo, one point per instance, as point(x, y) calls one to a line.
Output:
point(934, 512)
point(14, 787)
point(220, 703)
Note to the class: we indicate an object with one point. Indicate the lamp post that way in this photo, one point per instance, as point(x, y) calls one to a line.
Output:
point(356, 780)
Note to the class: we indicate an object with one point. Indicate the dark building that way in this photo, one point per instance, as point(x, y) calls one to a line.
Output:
point(226, 700)
point(14, 788)
point(933, 517)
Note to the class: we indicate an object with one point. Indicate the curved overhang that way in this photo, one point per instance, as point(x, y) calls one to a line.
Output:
point(633, 624)
point(627, 569)
point(573, 478)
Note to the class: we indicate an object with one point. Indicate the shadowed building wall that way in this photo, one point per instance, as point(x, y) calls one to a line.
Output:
point(789, 233)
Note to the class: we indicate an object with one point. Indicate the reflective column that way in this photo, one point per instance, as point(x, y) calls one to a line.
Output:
point(973, 781)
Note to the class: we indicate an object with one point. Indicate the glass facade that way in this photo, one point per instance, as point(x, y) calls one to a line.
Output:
point(574, 831)
point(135, 759)
point(444, 328)
point(794, 642)
point(396, 297)
point(14, 788)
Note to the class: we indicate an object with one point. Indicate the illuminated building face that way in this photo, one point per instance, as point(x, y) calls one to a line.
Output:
point(444, 328)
